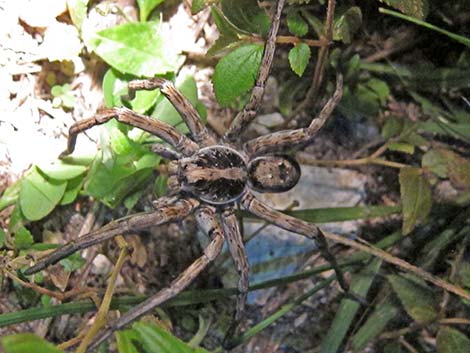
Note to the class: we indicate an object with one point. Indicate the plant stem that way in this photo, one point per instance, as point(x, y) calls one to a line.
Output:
point(461, 39)
point(305, 158)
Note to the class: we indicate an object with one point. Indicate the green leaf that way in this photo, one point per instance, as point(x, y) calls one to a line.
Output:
point(27, 343)
point(123, 168)
point(230, 34)
point(2, 237)
point(247, 15)
point(113, 89)
point(73, 262)
point(299, 57)
point(414, 139)
point(393, 347)
point(153, 336)
point(161, 186)
point(402, 147)
point(197, 5)
point(296, 24)
point(444, 163)
point(380, 88)
point(416, 197)
point(365, 98)
point(392, 127)
point(450, 340)
point(236, 73)
point(77, 10)
point(71, 191)
point(17, 219)
point(136, 48)
point(340, 214)
point(347, 24)
point(63, 96)
point(131, 200)
point(62, 171)
point(415, 8)
point(436, 162)
point(416, 297)
point(23, 239)
point(344, 318)
point(10, 195)
point(39, 195)
point(124, 340)
point(146, 7)
point(459, 170)
point(374, 325)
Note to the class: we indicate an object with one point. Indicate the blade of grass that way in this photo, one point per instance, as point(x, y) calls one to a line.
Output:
point(374, 325)
point(461, 39)
point(339, 214)
point(360, 284)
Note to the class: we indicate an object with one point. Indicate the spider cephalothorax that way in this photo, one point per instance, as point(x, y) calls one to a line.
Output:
point(209, 176)
point(215, 174)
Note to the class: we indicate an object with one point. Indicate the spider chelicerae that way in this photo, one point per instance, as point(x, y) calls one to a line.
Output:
point(209, 177)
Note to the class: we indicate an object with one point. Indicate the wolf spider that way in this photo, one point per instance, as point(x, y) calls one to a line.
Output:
point(209, 176)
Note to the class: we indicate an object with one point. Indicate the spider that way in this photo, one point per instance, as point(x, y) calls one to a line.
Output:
point(209, 177)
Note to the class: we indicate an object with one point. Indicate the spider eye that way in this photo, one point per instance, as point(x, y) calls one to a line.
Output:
point(276, 173)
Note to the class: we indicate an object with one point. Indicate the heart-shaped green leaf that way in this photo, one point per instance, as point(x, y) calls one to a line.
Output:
point(299, 57)
point(39, 195)
point(417, 298)
point(136, 48)
point(296, 24)
point(415, 196)
point(236, 73)
point(146, 7)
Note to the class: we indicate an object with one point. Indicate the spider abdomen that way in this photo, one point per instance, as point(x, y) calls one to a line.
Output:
point(215, 174)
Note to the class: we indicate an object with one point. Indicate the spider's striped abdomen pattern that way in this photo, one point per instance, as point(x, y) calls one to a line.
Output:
point(215, 174)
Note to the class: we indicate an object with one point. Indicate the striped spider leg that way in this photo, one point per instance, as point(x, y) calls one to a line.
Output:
point(248, 113)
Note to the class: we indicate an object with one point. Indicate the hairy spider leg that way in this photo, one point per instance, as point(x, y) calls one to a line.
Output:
point(189, 114)
point(287, 139)
point(167, 212)
point(165, 151)
point(124, 115)
point(208, 222)
point(292, 224)
point(248, 113)
point(237, 250)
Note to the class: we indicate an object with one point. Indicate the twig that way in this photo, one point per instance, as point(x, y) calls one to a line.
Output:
point(362, 245)
point(305, 158)
point(100, 319)
point(407, 345)
point(322, 42)
point(400, 42)
point(44, 291)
